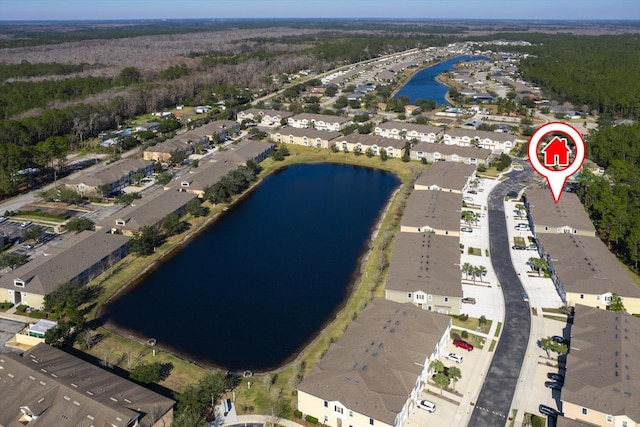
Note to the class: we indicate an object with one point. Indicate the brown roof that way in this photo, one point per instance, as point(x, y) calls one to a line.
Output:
point(64, 261)
point(208, 174)
point(448, 150)
point(320, 117)
point(447, 175)
point(568, 422)
point(258, 112)
point(568, 212)
point(585, 265)
point(603, 363)
point(425, 262)
point(63, 390)
point(439, 210)
point(373, 368)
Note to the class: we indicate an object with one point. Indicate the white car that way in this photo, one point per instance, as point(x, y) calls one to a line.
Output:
point(428, 406)
point(454, 357)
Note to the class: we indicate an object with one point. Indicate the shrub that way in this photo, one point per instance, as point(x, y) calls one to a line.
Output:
point(463, 317)
point(38, 314)
point(297, 414)
point(6, 304)
point(21, 308)
point(464, 334)
point(311, 420)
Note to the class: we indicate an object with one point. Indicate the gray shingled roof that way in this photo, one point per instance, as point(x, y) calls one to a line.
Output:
point(568, 212)
point(65, 390)
point(568, 422)
point(449, 175)
point(481, 134)
point(327, 135)
point(470, 152)
point(244, 150)
point(439, 210)
point(64, 261)
point(262, 112)
point(320, 117)
point(585, 265)
point(371, 140)
point(425, 262)
point(374, 366)
point(410, 126)
point(603, 364)
point(150, 210)
point(111, 173)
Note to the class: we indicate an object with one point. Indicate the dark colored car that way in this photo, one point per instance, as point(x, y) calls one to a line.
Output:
point(548, 410)
point(555, 377)
point(559, 339)
point(462, 344)
point(518, 248)
point(554, 385)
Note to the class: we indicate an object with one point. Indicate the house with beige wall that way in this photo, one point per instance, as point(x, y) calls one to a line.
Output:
point(494, 141)
point(308, 137)
point(109, 179)
point(318, 121)
point(430, 211)
point(568, 216)
point(393, 147)
point(373, 374)
point(78, 259)
point(408, 131)
point(585, 272)
point(424, 270)
point(262, 117)
point(449, 153)
point(446, 176)
point(601, 385)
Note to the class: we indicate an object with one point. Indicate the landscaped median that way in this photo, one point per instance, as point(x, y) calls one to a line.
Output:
point(252, 395)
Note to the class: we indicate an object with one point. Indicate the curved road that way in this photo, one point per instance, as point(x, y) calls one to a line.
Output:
point(494, 401)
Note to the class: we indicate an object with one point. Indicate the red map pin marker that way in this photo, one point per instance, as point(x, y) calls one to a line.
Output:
point(556, 153)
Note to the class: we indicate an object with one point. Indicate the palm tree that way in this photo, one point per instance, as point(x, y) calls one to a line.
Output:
point(520, 208)
point(538, 263)
point(468, 217)
point(466, 269)
point(441, 381)
point(547, 344)
point(436, 365)
point(481, 270)
point(454, 375)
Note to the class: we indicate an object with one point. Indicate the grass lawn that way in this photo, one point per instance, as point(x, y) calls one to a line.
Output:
point(252, 395)
point(476, 340)
point(519, 241)
point(492, 346)
point(558, 318)
point(471, 323)
point(474, 251)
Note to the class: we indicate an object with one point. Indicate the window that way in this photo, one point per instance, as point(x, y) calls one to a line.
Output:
point(420, 296)
point(598, 297)
point(326, 404)
point(581, 296)
point(409, 295)
point(370, 421)
point(584, 411)
point(624, 424)
point(120, 222)
point(429, 297)
point(338, 409)
point(351, 413)
point(609, 419)
point(19, 283)
point(446, 299)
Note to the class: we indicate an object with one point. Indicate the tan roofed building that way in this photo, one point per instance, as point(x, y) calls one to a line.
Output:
point(585, 272)
point(111, 178)
point(48, 387)
point(372, 375)
point(566, 216)
point(425, 270)
point(430, 211)
point(446, 176)
point(601, 383)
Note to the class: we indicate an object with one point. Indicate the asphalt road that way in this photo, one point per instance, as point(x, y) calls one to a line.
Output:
point(494, 401)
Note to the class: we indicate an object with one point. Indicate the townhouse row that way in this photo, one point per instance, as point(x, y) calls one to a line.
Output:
point(600, 387)
point(82, 257)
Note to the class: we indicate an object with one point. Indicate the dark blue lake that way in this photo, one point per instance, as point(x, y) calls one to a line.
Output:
point(423, 84)
point(255, 287)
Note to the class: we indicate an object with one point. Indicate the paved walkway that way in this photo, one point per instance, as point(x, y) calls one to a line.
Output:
point(261, 419)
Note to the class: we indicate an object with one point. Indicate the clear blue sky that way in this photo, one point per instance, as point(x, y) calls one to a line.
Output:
point(447, 9)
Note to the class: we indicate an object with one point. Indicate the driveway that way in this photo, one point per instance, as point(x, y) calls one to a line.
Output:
point(494, 400)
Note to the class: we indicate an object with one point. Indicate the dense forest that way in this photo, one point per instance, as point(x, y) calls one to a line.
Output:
point(600, 75)
point(613, 201)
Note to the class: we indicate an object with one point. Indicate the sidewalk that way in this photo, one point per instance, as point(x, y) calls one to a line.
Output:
point(261, 419)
